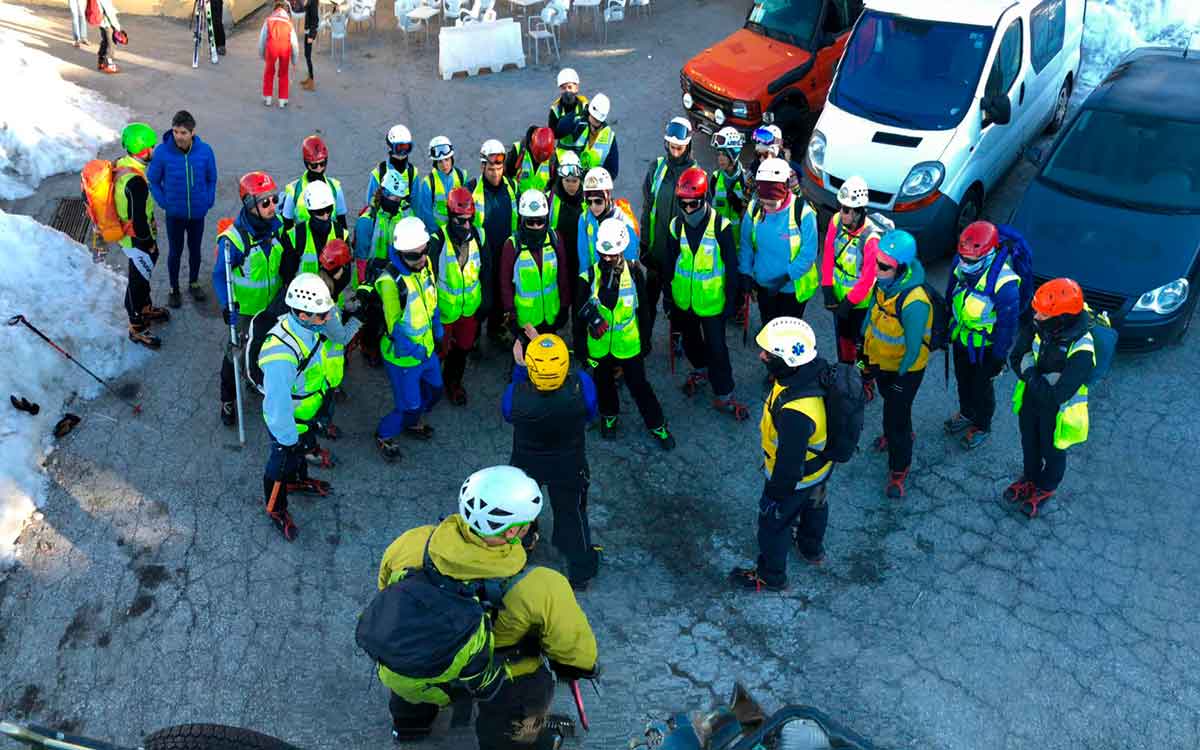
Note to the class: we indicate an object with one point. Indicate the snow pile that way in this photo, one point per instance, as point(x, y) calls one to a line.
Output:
point(51, 279)
point(1114, 27)
point(47, 125)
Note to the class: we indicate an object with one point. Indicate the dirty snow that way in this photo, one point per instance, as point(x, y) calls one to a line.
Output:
point(1114, 27)
point(43, 265)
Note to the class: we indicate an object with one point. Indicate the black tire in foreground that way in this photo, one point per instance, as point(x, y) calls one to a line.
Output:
point(211, 737)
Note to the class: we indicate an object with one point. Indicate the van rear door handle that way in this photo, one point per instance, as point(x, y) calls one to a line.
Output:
point(1021, 98)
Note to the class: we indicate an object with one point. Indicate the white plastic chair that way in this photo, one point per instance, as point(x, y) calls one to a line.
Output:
point(541, 31)
point(641, 6)
point(614, 12)
point(400, 9)
point(337, 22)
point(593, 6)
point(363, 12)
point(452, 11)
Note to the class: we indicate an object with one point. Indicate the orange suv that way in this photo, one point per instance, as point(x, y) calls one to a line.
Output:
point(776, 68)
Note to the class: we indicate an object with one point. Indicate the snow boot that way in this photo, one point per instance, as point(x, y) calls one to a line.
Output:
point(283, 103)
point(221, 51)
point(664, 437)
point(608, 427)
point(152, 314)
point(283, 522)
point(895, 484)
point(309, 486)
point(141, 335)
point(974, 438)
point(748, 578)
point(956, 425)
point(228, 413)
point(740, 411)
point(1029, 506)
point(1018, 490)
point(197, 292)
point(389, 448)
point(174, 299)
point(817, 559)
point(320, 457)
point(695, 381)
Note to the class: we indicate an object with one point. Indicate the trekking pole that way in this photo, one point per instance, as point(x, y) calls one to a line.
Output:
point(745, 319)
point(233, 350)
point(578, 695)
point(14, 320)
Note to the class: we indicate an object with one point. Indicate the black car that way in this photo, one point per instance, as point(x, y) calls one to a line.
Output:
point(1116, 203)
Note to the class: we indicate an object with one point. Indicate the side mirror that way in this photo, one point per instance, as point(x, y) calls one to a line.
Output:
point(997, 110)
point(1035, 155)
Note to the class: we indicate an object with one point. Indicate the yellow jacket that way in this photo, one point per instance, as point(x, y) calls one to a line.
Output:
point(540, 605)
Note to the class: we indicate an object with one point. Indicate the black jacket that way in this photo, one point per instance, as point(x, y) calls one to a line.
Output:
point(794, 429)
point(1072, 371)
point(549, 429)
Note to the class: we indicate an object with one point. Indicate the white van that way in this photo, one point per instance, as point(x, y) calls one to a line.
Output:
point(933, 101)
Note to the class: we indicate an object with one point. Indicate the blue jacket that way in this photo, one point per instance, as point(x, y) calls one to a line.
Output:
point(235, 258)
point(1007, 300)
point(402, 345)
point(771, 264)
point(184, 185)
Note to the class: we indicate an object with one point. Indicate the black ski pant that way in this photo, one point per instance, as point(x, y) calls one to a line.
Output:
point(137, 288)
point(176, 229)
point(804, 510)
point(897, 414)
point(1044, 464)
point(308, 48)
point(218, 9)
point(572, 533)
point(515, 718)
point(777, 305)
point(102, 54)
point(634, 370)
point(284, 464)
point(849, 332)
point(705, 347)
point(976, 395)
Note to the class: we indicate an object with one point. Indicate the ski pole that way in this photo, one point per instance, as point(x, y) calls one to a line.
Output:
point(745, 319)
point(233, 350)
point(14, 320)
point(583, 719)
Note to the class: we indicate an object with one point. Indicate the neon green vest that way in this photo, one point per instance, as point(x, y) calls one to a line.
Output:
point(848, 257)
point(725, 186)
point(530, 177)
point(441, 214)
point(481, 202)
point(975, 310)
point(594, 155)
point(660, 173)
point(1071, 422)
point(310, 259)
point(308, 387)
point(420, 302)
point(381, 236)
point(130, 167)
point(622, 339)
point(570, 142)
point(295, 189)
point(409, 177)
point(808, 283)
point(536, 298)
point(699, 281)
point(256, 281)
point(459, 291)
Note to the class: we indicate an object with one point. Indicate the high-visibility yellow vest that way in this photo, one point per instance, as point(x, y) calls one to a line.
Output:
point(481, 202)
point(725, 186)
point(974, 308)
point(295, 189)
point(420, 304)
point(310, 258)
point(439, 193)
point(622, 339)
point(282, 344)
point(884, 341)
point(536, 298)
point(806, 285)
point(595, 151)
point(699, 280)
point(126, 168)
point(811, 406)
point(848, 256)
point(531, 176)
point(459, 291)
point(1071, 422)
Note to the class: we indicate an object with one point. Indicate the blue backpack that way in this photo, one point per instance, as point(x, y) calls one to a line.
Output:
point(1017, 252)
point(1104, 343)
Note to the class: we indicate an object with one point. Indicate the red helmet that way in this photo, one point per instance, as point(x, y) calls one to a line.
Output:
point(693, 183)
point(460, 202)
point(978, 239)
point(254, 184)
point(541, 144)
point(313, 149)
point(1058, 297)
point(335, 255)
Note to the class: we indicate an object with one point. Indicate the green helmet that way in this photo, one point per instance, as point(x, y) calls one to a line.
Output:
point(138, 137)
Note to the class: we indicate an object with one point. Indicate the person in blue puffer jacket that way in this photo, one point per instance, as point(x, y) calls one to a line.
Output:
point(183, 180)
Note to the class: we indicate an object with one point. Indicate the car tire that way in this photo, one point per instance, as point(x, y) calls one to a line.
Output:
point(211, 737)
point(969, 209)
point(1182, 333)
point(796, 123)
point(1061, 105)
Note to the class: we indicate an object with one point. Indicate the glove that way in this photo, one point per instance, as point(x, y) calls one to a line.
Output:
point(843, 309)
point(596, 330)
point(231, 317)
point(566, 673)
point(830, 297)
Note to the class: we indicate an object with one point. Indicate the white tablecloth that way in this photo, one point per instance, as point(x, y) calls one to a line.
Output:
point(485, 44)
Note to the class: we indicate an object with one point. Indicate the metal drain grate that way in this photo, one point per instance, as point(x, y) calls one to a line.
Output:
point(71, 219)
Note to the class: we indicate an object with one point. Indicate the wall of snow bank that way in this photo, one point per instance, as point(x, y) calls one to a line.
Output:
point(51, 279)
point(1114, 27)
point(47, 125)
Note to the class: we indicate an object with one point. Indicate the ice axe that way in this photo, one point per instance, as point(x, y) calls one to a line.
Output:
point(124, 396)
point(577, 694)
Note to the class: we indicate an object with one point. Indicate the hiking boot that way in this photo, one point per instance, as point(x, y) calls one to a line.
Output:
point(221, 51)
point(817, 559)
point(456, 394)
point(283, 522)
point(974, 438)
point(748, 578)
point(560, 725)
point(174, 299)
point(957, 424)
point(152, 314)
point(308, 84)
point(1018, 490)
point(141, 335)
point(267, 100)
point(695, 382)
point(197, 292)
point(1036, 496)
point(895, 484)
point(740, 411)
point(228, 413)
point(608, 428)
point(283, 103)
point(108, 66)
point(665, 439)
point(389, 448)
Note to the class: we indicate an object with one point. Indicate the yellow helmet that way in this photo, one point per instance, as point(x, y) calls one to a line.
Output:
point(548, 361)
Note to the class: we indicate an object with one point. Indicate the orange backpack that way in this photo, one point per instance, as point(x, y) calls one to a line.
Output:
point(628, 209)
point(97, 180)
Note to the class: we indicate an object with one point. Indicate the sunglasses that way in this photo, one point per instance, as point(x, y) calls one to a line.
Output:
point(316, 164)
point(323, 213)
point(493, 159)
point(413, 256)
point(401, 149)
point(461, 220)
point(268, 201)
point(597, 201)
point(690, 204)
point(441, 152)
point(884, 266)
point(535, 223)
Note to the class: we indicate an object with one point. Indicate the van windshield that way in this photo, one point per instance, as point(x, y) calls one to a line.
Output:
point(911, 73)
point(788, 21)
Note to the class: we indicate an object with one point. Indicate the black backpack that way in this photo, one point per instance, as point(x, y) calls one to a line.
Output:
point(840, 385)
point(260, 325)
point(939, 333)
point(419, 625)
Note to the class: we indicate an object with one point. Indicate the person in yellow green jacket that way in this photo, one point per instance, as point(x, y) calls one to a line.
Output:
point(135, 209)
point(1054, 360)
point(896, 334)
point(539, 619)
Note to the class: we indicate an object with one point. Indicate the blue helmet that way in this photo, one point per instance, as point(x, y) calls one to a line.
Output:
point(899, 245)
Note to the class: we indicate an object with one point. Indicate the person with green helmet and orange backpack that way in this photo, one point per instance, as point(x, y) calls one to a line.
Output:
point(135, 210)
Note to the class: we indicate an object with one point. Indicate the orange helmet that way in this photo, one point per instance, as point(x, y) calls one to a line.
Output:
point(541, 144)
point(334, 255)
point(978, 239)
point(1058, 297)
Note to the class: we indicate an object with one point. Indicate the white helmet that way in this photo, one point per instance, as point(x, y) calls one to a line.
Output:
point(494, 499)
point(854, 193)
point(568, 75)
point(409, 234)
point(318, 196)
point(612, 237)
point(790, 339)
point(533, 204)
point(490, 147)
point(569, 165)
point(679, 132)
point(598, 107)
point(728, 139)
point(768, 139)
point(598, 178)
point(393, 184)
point(773, 170)
point(441, 148)
point(399, 135)
point(309, 293)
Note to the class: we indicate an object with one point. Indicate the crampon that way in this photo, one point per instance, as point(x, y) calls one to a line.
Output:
point(310, 487)
point(694, 383)
point(739, 411)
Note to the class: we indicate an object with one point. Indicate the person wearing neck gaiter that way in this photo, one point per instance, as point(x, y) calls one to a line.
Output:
point(316, 163)
point(658, 205)
point(460, 265)
point(304, 242)
point(399, 144)
point(566, 206)
point(496, 217)
point(535, 290)
point(896, 346)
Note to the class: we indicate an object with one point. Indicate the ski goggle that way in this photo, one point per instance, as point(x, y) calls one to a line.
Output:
point(441, 151)
point(678, 131)
point(730, 143)
point(400, 149)
point(492, 158)
point(570, 170)
point(763, 137)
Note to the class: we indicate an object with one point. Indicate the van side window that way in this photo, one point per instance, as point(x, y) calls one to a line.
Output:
point(841, 15)
point(1047, 28)
point(1008, 62)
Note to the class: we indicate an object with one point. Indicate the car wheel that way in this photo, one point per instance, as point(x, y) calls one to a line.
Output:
point(797, 124)
point(211, 737)
point(1060, 108)
point(1178, 338)
point(969, 210)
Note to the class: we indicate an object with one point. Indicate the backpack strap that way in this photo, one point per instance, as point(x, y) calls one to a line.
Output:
point(489, 591)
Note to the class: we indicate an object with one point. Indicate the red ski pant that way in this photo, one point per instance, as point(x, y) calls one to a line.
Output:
point(276, 62)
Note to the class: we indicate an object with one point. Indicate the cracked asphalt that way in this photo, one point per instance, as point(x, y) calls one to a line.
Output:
point(153, 591)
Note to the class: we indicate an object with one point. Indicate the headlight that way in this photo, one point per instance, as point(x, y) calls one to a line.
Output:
point(719, 117)
point(741, 109)
point(1166, 299)
point(816, 150)
point(922, 180)
point(688, 101)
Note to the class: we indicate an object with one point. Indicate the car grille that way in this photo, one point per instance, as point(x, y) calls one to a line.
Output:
point(705, 98)
point(877, 197)
point(1109, 302)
